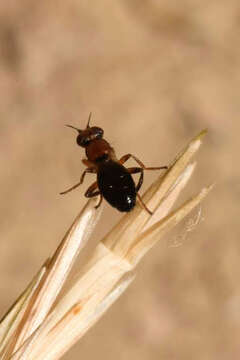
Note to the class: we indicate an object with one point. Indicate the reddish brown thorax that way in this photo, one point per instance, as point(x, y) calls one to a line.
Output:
point(98, 150)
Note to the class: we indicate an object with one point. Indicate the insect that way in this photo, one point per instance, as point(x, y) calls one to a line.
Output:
point(114, 180)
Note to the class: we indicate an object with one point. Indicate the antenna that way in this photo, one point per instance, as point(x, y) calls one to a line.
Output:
point(73, 127)
point(89, 118)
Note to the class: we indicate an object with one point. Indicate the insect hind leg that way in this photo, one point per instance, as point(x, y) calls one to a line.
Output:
point(140, 163)
point(143, 205)
point(135, 170)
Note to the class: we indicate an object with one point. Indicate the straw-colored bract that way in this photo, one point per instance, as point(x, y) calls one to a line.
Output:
point(36, 329)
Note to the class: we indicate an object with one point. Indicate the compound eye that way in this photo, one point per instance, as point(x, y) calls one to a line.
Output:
point(83, 140)
point(98, 132)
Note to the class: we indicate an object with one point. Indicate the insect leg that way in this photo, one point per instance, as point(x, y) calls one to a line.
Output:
point(135, 170)
point(91, 190)
point(91, 193)
point(100, 201)
point(124, 158)
point(127, 156)
point(143, 205)
point(88, 170)
point(87, 163)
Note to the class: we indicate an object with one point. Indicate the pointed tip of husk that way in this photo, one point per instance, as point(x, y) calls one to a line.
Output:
point(202, 133)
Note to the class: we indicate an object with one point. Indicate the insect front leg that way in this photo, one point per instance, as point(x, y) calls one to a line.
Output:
point(127, 156)
point(91, 192)
point(88, 170)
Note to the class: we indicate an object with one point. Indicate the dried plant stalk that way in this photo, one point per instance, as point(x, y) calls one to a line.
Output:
point(56, 271)
point(47, 333)
point(13, 317)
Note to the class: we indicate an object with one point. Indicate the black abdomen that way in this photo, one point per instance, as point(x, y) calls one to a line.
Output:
point(116, 185)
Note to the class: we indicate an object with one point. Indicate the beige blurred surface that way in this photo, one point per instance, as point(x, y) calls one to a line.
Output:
point(154, 73)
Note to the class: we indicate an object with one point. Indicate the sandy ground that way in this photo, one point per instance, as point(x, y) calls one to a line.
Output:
point(154, 73)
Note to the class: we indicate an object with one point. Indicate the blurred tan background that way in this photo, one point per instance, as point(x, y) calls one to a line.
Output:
point(154, 73)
